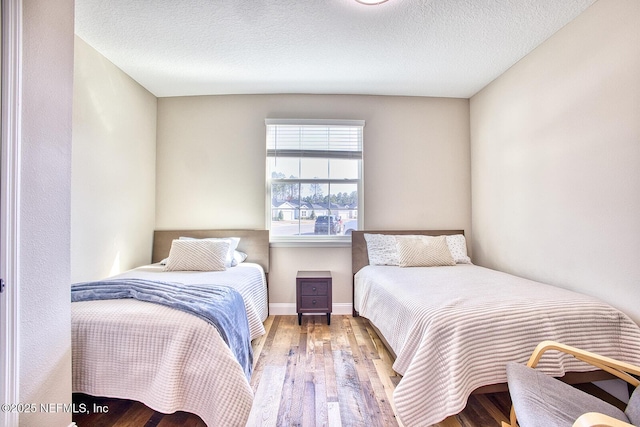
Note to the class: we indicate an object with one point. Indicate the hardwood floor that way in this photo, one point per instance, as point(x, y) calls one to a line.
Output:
point(310, 375)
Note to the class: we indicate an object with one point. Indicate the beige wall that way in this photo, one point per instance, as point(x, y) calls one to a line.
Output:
point(113, 181)
point(555, 155)
point(211, 169)
point(45, 183)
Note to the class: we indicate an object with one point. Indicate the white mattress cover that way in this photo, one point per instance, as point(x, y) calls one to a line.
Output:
point(168, 359)
point(455, 328)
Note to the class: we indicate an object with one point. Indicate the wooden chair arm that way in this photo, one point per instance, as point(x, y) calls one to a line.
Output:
point(615, 367)
point(595, 419)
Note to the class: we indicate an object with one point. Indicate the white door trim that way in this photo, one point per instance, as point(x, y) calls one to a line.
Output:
point(10, 205)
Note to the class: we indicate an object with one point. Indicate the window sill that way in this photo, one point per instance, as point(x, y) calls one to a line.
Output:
point(342, 243)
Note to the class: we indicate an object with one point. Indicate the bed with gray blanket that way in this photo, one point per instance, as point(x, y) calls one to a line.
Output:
point(174, 340)
point(220, 306)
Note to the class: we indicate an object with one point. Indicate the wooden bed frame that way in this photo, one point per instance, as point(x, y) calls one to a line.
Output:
point(255, 243)
point(360, 259)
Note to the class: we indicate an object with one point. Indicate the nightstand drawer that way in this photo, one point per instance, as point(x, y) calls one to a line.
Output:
point(313, 288)
point(320, 303)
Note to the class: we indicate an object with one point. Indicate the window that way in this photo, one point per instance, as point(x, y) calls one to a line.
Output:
point(314, 179)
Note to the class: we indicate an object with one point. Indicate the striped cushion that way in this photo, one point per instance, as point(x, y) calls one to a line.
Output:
point(197, 255)
point(233, 244)
point(423, 251)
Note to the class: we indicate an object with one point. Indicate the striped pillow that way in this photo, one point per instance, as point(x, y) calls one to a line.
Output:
point(423, 251)
point(197, 255)
point(233, 244)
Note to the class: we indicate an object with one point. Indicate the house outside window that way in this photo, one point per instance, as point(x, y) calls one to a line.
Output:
point(314, 179)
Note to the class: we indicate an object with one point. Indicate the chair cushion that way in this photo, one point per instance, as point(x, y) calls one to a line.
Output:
point(541, 400)
point(633, 408)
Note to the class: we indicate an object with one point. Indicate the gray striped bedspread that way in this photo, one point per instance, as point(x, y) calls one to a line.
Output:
point(454, 328)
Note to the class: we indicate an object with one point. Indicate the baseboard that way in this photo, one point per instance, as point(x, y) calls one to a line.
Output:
point(289, 308)
point(281, 309)
point(343, 308)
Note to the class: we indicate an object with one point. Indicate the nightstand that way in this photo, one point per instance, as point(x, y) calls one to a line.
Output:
point(313, 293)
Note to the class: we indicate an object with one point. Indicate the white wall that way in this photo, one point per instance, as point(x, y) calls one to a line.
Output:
point(45, 338)
point(113, 180)
point(211, 169)
point(555, 155)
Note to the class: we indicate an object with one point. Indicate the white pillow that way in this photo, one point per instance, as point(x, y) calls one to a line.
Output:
point(423, 251)
point(381, 249)
point(458, 248)
point(233, 244)
point(197, 255)
point(238, 257)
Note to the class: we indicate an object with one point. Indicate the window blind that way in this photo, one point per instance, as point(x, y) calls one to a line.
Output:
point(336, 139)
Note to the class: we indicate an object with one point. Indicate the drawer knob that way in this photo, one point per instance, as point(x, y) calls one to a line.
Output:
point(314, 288)
point(313, 302)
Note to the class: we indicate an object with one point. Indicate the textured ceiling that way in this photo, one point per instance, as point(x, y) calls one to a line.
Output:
point(448, 48)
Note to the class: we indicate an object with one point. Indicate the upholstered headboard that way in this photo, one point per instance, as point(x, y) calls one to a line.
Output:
point(255, 243)
point(359, 256)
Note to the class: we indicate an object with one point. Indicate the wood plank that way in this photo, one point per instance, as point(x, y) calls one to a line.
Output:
point(481, 416)
point(386, 413)
point(177, 419)
point(352, 408)
point(381, 411)
point(136, 415)
point(330, 384)
point(383, 370)
point(267, 399)
point(291, 346)
point(333, 409)
point(489, 406)
point(261, 353)
point(501, 401)
point(279, 350)
point(258, 343)
point(383, 352)
point(369, 354)
point(293, 416)
point(449, 422)
point(308, 405)
point(374, 414)
point(321, 410)
point(115, 410)
point(359, 325)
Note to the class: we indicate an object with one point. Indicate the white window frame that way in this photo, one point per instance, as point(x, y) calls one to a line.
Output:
point(315, 240)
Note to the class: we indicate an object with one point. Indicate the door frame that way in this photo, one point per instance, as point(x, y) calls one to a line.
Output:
point(10, 108)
